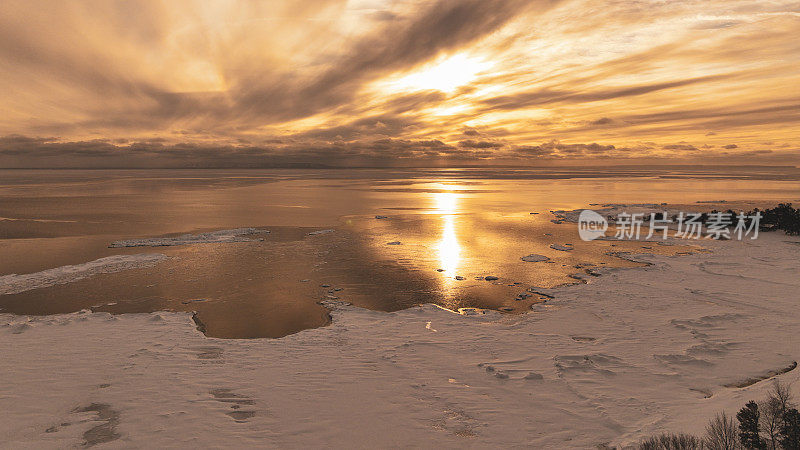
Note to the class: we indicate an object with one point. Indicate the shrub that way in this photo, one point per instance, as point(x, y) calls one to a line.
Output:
point(783, 217)
point(671, 441)
point(721, 433)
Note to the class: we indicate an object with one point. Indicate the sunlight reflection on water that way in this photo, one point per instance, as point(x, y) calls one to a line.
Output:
point(448, 247)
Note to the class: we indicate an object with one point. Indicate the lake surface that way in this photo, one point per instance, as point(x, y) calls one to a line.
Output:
point(448, 228)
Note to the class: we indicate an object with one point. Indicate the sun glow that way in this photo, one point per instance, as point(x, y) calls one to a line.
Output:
point(443, 75)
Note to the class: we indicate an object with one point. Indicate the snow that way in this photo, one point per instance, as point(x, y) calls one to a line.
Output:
point(318, 232)
point(212, 237)
point(14, 284)
point(631, 353)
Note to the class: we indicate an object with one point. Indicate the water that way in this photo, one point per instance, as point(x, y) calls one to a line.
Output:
point(450, 223)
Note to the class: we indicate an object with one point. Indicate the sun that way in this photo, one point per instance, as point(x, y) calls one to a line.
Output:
point(446, 74)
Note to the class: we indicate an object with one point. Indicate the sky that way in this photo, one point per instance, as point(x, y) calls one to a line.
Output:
point(398, 83)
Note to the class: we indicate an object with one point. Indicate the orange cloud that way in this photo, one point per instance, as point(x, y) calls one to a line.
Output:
point(372, 82)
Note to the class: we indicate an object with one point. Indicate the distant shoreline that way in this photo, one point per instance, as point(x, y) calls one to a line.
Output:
point(691, 167)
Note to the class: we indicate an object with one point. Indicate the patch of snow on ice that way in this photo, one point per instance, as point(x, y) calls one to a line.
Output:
point(14, 284)
point(212, 237)
point(535, 258)
point(314, 233)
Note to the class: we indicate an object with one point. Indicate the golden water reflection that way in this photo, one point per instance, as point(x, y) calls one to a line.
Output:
point(448, 247)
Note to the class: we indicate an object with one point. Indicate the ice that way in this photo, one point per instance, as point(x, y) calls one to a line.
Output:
point(213, 237)
point(630, 354)
point(533, 257)
point(14, 284)
point(318, 232)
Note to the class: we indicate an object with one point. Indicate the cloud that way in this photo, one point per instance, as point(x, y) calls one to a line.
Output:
point(256, 90)
point(49, 152)
point(470, 143)
point(38, 152)
point(548, 96)
point(680, 147)
point(444, 26)
point(602, 121)
point(558, 149)
point(315, 82)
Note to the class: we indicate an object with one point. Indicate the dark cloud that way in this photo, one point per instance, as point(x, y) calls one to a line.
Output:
point(384, 16)
point(549, 96)
point(755, 152)
point(366, 127)
point(602, 121)
point(558, 149)
point(470, 143)
point(21, 151)
point(680, 147)
point(724, 117)
point(444, 26)
point(39, 152)
point(22, 146)
point(716, 24)
point(534, 151)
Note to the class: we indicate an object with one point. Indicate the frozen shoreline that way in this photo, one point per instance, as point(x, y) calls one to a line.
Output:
point(631, 353)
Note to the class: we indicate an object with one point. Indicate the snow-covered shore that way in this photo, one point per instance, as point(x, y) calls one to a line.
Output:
point(632, 353)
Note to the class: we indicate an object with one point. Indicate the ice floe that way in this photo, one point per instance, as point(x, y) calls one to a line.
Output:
point(212, 237)
point(14, 284)
point(318, 232)
point(533, 257)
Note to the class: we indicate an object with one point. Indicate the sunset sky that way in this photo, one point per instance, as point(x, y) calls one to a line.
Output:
point(377, 82)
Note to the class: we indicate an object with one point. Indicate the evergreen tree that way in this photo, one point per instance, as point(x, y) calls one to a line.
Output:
point(790, 431)
point(748, 426)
